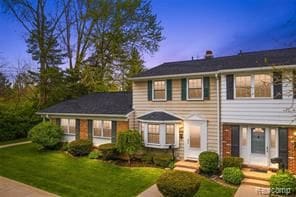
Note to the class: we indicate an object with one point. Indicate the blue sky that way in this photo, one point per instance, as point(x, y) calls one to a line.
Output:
point(193, 26)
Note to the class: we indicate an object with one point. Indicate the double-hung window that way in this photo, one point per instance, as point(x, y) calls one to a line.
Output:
point(153, 134)
point(159, 90)
point(142, 127)
point(68, 126)
point(262, 85)
point(170, 134)
point(195, 88)
point(243, 86)
point(102, 128)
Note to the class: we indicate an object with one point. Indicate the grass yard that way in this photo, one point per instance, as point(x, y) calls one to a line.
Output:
point(64, 175)
point(14, 141)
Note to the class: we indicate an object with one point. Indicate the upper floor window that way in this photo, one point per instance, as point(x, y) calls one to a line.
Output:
point(102, 128)
point(262, 85)
point(243, 86)
point(159, 88)
point(68, 126)
point(253, 86)
point(195, 88)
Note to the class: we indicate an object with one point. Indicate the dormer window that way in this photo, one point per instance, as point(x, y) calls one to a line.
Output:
point(159, 90)
point(195, 89)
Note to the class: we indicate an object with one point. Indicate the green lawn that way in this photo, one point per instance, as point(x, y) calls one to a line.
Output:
point(14, 141)
point(64, 175)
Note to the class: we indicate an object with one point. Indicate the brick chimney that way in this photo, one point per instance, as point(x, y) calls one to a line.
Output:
point(209, 54)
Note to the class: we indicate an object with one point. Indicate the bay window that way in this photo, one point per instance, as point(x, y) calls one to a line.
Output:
point(153, 134)
point(102, 128)
point(68, 126)
point(159, 90)
point(194, 88)
point(170, 134)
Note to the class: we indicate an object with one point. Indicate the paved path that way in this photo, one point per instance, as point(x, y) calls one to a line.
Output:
point(14, 144)
point(151, 192)
point(11, 188)
point(250, 190)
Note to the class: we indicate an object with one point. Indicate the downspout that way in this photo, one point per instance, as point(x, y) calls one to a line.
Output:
point(218, 111)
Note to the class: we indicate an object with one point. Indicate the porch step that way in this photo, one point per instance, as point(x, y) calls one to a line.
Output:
point(248, 173)
point(189, 166)
point(255, 182)
point(185, 169)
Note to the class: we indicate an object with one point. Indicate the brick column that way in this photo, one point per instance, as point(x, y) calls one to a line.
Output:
point(83, 129)
point(226, 141)
point(291, 150)
point(122, 126)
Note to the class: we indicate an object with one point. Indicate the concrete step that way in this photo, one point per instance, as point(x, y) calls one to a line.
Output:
point(187, 164)
point(185, 169)
point(255, 182)
point(257, 175)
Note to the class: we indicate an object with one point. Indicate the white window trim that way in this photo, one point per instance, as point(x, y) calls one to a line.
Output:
point(159, 131)
point(252, 87)
point(166, 133)
point(68, 126)
point(187, 89)
point(165, 91)
point(102, 128)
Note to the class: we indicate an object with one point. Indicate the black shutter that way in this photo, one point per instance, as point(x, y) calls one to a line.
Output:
point(283, 145)
point(77, 129)
point(90, 129)
point(277, 85)
point(294, 84)
point(149, 90)
point(206, 84)
point(58, 121)
point(169, 89)
point(114, 132)
point(235, 141)
point(183, 89)
point(229, 87)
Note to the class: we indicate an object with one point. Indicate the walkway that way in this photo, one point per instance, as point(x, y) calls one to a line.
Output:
point(13, 188)
point(250, 190)
point(14, 144)
point(151, 192)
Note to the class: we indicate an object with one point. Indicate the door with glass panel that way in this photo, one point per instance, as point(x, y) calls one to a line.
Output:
point(195, 140)
point(259, 146)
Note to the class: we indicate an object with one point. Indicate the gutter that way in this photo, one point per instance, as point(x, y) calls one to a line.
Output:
point(83, 115)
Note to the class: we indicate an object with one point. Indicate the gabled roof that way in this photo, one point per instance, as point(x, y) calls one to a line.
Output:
point(244, 60)
point(107, 103)
point(159, 116)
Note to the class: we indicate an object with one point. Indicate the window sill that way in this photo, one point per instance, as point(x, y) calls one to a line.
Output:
point(69, 134)
point(100, 137)
point(195, 99)
point(159, 100)
point(164, 146)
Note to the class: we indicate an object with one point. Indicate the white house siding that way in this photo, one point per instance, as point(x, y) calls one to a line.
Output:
point(258, 111)
point(206, 109)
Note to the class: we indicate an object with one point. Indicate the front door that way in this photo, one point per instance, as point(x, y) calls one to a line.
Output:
point(195, 139)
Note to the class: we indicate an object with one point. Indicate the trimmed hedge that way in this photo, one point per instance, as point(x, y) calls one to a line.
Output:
point(232, 162)
point(283, 183)
point(109, 151)
point(178, 184)
point(80, 147)
point(46, 135)
point(209, 162)
point(162, 159)
point(232, 175)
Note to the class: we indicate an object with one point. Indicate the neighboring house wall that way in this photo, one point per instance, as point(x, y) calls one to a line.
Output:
point(206, 109)
point(292, 150)
point(257, 110)
point(83, 129)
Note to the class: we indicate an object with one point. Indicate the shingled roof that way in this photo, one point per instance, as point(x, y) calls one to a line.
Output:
point(109, 103)
point(159, 116)
point(256, 59)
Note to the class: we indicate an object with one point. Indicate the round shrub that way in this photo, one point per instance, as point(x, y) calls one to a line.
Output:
point(46, 134)
point(232, 162)
point(209, 162)
point(232, 175)
point(178, 184)
point(80, 147)
point(162, 159)
point(109, 151)
point(283, 183)
point(95, 154)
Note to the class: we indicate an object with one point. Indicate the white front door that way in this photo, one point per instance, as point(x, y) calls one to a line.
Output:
point(195, 138)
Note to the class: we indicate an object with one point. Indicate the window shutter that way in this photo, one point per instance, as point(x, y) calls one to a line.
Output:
point(114, 132)
point(206, 84)
point(169, 89)
point(149, 90)
point(235, 141)
point(58, 121)
point(294, 84)
point(90, 129)
point(277, 85)
point(183, 89)
point(77, 129)
point(229, 87)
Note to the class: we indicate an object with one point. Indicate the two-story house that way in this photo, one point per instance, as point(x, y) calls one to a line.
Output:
point(240, 105)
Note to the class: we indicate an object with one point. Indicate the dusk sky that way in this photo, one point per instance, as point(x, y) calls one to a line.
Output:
point(193, 26)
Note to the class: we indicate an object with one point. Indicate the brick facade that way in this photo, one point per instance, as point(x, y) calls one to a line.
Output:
point(83, 129)
point(226, 141)
point(292, 150)
point(122, 126)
